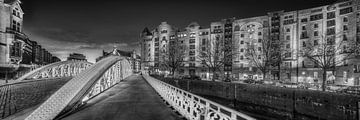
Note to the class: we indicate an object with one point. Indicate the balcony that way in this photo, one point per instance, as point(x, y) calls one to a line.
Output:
point(16, 33)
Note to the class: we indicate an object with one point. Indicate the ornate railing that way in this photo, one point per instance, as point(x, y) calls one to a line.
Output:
point(58, 69)
point(83, 87)
point(192, 106)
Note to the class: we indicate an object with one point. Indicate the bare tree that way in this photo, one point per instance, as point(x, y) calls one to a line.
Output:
point(260, 55)
point(213, 57)
point(173, 58)
point(329, 52)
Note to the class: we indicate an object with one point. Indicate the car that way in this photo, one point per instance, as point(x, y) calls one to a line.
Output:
point(259, 82)
point(289, 85)
point(249, 81)
point(191, 77)
point(336, 88)
point(351, 90)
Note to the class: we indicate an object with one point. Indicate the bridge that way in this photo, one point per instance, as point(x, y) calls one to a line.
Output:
point(105, 90)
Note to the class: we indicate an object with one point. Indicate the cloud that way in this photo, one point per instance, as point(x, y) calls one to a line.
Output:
point(103, 46)
point(79, 42)
point(63, 34)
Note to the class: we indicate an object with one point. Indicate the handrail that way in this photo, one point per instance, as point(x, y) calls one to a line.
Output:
point(192, 106)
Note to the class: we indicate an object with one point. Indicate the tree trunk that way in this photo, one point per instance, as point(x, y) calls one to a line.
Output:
point(324, 80)
point(264, 75)
point(173, 71)
point(214, 74)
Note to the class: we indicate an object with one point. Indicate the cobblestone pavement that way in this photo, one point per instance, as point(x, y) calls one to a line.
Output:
point(19, 96)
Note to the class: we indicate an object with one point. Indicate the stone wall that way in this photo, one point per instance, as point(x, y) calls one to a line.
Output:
point(275, 102)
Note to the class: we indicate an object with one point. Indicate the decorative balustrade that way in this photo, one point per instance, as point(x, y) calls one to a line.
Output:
point(192, 106)
point(83, 87)
point(56, 70)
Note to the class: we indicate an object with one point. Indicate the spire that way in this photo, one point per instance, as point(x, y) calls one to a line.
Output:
point(146, 32)
point(115, 52)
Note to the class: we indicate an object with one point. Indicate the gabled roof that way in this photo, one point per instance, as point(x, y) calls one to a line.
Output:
point(146, 31)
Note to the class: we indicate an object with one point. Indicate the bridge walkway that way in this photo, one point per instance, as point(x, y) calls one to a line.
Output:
point(131, 99)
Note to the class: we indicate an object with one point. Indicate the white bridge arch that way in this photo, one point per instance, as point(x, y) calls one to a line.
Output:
point(56, 70)
point(85, 85)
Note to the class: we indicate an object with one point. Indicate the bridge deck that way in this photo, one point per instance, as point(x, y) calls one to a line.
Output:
point(131, 99)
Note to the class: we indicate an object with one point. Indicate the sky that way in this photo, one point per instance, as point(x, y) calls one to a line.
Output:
point(91, 26)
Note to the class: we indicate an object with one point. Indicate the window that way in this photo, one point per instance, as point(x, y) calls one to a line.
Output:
point(192, 58)
point(316, 25)
point(192, 46)
point(203, 41)
point(287, 45)
point(345, 19)
point(259, 40)
point(259, 33)
point(287, 29)
point(241, 42)
point(345, 28)
point(191, 52)
point(316, 75)
point(346, 10)
point(316, 17)
point(304, 20)
point(288, 37)
point(304, 44)
point(259, 48)
point(241, 50)
point(316, 33)
point(164, 31)
point(316, 42)
point(356, 68)
point(242, 35)
point(241, 57)
point(303, 27)
point(14, 12)
point(330, 15)
point(237, 28)
point(330, 40)
point(330, 23)
point(203, 48)
point(192, 41)
point(304, 35)
point(345, 38)
point(330, 31)
point(303, 65)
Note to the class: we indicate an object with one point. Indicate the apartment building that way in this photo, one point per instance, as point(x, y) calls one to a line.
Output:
point(287, 30)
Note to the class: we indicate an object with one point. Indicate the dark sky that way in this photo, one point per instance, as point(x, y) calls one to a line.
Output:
point(89, 26)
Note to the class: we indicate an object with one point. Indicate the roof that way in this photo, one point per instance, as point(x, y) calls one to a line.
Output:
point(146, 31)
point(11, 1)
point(193, 24)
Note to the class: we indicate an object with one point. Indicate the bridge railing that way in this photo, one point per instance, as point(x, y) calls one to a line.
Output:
point(192, 106)
point(56, 70)
point(82, 87)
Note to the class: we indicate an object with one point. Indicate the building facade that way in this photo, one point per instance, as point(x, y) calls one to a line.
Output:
point(287, 30)
point(132, 57)
point(76, 57)
point(17, 51)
